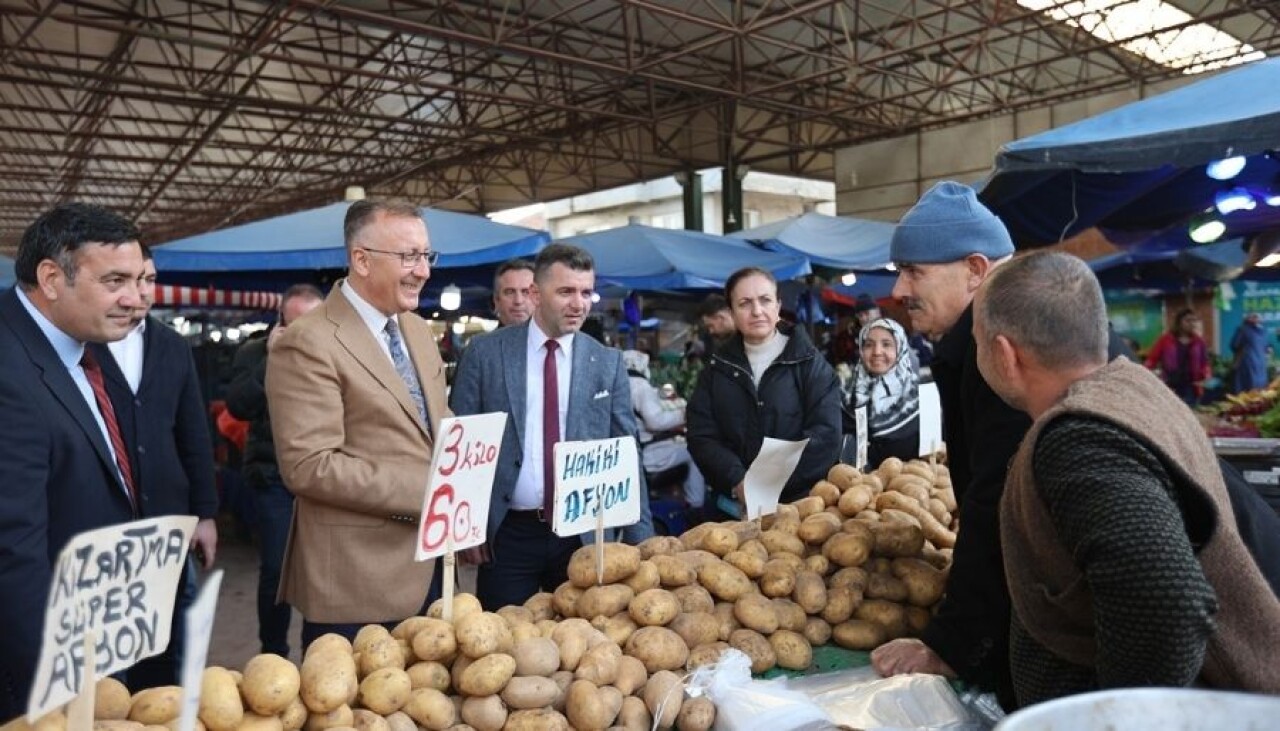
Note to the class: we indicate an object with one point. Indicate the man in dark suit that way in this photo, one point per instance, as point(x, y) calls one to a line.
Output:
point(64, 466)
point(272, 501)
point(511, 370)
point(151, 376)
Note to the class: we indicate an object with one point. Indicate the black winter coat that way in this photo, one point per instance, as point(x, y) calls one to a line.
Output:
point(247, 399)
point(728, 417)
point(970, 630)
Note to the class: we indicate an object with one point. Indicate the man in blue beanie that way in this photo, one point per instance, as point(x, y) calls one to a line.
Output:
point(945, 248)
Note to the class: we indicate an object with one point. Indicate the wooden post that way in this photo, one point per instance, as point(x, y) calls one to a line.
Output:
point(80, 709)
point(446, 582)
point(600, 546)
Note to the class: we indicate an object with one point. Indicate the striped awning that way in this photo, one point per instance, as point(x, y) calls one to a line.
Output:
point(173, 296)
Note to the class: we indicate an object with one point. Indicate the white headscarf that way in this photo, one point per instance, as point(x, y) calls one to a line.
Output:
point(895, 395)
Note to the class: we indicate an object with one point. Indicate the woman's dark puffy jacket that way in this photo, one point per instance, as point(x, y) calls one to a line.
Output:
point(798, 397)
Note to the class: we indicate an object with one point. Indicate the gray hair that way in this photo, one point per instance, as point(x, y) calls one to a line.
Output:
point(362, 212)
point(1051, 304)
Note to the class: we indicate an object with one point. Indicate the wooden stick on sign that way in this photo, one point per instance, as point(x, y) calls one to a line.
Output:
point(600, 544)
point(80, 709)
point(446, 583)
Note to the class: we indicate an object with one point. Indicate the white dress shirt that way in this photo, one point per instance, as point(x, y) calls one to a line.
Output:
point(70, 351)
point(128, 354)
point(529, 484)
point(373, 318)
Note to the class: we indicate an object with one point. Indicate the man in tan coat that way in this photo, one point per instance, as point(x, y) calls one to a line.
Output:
point(356, 388)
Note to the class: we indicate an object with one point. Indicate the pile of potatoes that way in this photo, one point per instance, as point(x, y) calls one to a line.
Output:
point(859, 561)
point(519, 669)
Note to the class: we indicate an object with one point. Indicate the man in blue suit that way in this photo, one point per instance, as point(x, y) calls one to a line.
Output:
point(151, 377)
point(64, 466)
point(519, 370)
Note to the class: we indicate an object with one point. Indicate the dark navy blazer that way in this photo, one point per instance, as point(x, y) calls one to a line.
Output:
point(167, 425)
point(57, 479)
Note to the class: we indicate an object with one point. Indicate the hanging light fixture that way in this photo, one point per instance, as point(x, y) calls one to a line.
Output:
point(849, 279)
point(1236, 199)
point(450, 298)
point(1205, 229)
point(1225, 169)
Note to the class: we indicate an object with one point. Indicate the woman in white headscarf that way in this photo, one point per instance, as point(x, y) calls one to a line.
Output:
point(886, 384)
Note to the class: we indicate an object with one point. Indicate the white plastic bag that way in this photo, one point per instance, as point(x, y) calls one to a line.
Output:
point(860, 698)
point(743, 704)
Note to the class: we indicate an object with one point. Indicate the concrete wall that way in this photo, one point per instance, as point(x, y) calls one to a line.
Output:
point(766, 198)
point(881, 180)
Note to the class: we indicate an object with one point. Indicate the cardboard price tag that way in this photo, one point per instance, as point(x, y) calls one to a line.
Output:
point(593, 476)
point(119, 584)
point(455, 509)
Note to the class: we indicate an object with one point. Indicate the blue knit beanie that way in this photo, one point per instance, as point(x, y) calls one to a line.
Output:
point(948, 224)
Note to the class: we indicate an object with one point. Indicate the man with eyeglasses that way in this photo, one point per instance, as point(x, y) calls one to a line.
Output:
point(356, 391)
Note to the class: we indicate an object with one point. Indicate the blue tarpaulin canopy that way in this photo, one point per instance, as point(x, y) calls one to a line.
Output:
point(643, 257)
point(828, 241)
point(1153, 267)
point(1139, 169)
point(312, 239)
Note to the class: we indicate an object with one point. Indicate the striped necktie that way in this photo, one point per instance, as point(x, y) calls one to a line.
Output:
point(93, 372)
point(404, 367)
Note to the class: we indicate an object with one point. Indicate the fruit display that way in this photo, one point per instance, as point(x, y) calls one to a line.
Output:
point(861, 560)
point(1247, 414)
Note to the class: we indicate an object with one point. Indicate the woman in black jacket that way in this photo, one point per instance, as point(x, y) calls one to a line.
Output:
point(767, 381)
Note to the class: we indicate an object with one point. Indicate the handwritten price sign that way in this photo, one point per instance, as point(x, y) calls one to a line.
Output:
point(118, 583)
point(594, 476)
point(457, 501)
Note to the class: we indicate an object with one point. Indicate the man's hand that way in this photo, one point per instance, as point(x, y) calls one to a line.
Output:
point(204, 542)
point(475, 556)
point(739, 494)
point(908, 655)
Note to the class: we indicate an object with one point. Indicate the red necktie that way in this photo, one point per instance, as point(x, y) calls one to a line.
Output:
point(550, 427)
point(93, 372)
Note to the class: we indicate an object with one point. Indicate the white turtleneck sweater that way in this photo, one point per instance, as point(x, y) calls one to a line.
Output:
point(761, 356)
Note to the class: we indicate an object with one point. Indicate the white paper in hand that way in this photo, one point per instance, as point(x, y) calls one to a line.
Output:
point(930, 418)
point(769, 473)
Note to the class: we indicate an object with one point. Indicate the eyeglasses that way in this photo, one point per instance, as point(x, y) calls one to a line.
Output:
point(410, 259)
